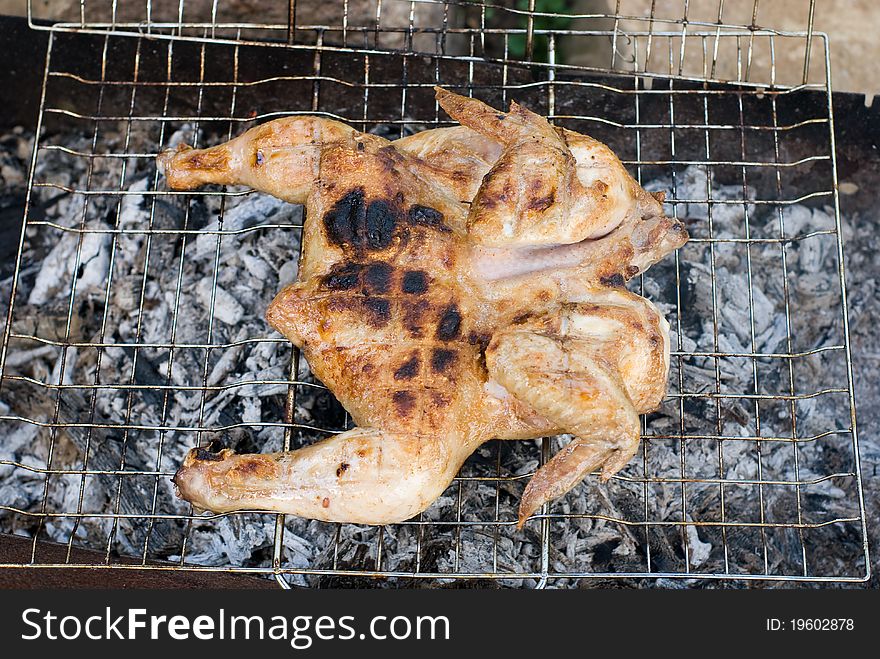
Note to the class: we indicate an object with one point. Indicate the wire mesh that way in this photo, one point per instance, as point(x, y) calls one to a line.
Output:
point(702, 501)
point(510, 31)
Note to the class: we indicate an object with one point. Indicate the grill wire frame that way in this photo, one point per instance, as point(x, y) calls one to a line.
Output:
point(707, 37)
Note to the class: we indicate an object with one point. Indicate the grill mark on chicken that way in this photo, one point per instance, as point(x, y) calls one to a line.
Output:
point(359, 226)
point(408, 369)
point(616, 280)
point(375, 311)
point(404, 402)
point(354, 224)
point(378, 311)
point(428, 217)
point(442, 359)
point(449, 326)
point(538, 196)
point(344, 219)
point(343, 277)
point(479, 339)
point(377, 277)
point(414, 282)
point(382, 219)
point(541, 203)
point(414, 317)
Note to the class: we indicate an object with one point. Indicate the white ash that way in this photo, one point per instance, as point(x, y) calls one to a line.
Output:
point(220, 302)
point(89, 255)
point(242, 271)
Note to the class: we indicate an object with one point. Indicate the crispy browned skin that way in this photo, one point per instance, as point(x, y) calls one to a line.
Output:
point(456, 285)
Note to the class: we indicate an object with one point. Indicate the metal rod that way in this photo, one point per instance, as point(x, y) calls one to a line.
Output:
point(808, 48)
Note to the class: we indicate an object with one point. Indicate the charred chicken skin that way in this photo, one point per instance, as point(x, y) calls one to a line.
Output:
point(455, 286)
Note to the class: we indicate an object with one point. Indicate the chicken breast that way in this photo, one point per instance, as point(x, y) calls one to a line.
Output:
point(458, 285)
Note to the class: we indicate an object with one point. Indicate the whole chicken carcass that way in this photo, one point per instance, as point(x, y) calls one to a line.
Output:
point(455, 286)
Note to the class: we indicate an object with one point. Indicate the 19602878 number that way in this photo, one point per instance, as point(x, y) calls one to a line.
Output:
point(821, 624)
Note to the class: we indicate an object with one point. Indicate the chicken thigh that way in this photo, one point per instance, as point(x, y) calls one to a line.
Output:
point(455, 286)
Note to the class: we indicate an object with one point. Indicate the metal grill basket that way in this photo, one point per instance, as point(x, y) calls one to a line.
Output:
point(135, 325)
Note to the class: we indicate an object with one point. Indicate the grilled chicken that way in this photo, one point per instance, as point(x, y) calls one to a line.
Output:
point(458, 285)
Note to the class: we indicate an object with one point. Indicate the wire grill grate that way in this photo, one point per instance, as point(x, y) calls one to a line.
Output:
point(722, 150)
point(514, 31)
